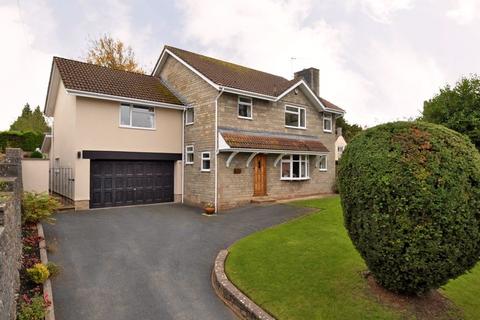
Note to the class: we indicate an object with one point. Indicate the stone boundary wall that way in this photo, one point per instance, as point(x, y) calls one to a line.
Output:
point(10, 232)
point(232, 296)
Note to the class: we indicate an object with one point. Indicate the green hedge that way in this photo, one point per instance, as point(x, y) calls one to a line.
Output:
point(410, 193)
point(27, 141)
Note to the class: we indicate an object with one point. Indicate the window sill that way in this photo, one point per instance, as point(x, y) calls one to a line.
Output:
point(322, 170)
point(327, 131)
point(204, 170)
point(245, 118)
point(292, 127)
point(137, 128)
point(190, 123)
point(190, 163)
point(295, 179)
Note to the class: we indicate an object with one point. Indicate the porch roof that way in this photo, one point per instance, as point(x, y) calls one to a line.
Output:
point(272, 143)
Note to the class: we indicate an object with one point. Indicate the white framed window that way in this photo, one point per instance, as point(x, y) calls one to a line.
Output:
point(294, 167)
point(132, 116)
point(322, 163)
point(245, 107)
point(295, 117)
point(189, 116)
point(189, 154)
point(205, 161)
point(327, 122)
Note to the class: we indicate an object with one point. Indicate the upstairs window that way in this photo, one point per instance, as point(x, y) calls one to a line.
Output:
point(294, 167)
point(245, 108)
point(205, 161)
point(189, 116)
point(295, 117)
point(137, 117)
point(327, 122)
point(189, 154)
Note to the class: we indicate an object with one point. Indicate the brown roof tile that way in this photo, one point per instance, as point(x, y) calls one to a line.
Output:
point(88, 77)
point(249, 141)
point(239, 77)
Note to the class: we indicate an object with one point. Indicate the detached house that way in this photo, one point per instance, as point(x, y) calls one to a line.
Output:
point(197, 130)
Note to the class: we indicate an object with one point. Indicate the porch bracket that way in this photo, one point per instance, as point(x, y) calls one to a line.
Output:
point(280, 156)
point(230, 158)
point(251, 158)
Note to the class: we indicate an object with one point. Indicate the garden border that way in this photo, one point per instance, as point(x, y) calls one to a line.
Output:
point(238, 302)
point(47, 285)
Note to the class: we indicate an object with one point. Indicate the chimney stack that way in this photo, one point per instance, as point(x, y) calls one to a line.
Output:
point(311, 77)
point(339, 131)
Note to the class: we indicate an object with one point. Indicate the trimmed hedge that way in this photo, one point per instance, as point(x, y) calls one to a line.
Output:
point(410, 193)
point(27, 141)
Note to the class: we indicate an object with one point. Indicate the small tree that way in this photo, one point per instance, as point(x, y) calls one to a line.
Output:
point(113, 53)
point(30, 121)
point(410, 194)
point(457, 108)
point(349, 131)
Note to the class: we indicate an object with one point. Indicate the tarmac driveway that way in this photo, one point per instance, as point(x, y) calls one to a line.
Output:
point(146, 262)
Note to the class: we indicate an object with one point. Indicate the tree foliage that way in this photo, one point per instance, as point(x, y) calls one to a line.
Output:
point(410, 193)
point(30, 121)
point(348, 130)
point(113, 53)
point(457, 108)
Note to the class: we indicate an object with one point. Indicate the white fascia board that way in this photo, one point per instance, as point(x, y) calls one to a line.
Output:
point(102, 96)
point(52, 90)
point(249, 94)
point(269, 151)
point(198, 73)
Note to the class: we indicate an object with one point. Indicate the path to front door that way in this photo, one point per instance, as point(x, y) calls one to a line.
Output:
point(146, 262)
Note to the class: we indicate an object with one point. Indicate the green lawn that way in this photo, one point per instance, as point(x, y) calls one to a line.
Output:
point(309, 269)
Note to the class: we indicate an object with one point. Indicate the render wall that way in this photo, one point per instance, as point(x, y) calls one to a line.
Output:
point(194, 91)
point(35, 175)
point(98, 128)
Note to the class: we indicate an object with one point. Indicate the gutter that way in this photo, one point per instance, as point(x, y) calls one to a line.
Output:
point(216, 148)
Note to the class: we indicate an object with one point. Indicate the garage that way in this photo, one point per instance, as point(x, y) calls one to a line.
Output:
point(130, 182)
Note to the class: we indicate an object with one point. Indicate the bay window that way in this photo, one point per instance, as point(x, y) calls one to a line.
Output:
point(294, 167)
point(137, 117)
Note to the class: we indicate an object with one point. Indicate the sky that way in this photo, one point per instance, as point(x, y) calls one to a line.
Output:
point(378, 59)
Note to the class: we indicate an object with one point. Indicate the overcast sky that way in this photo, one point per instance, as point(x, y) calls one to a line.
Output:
point(378, 59)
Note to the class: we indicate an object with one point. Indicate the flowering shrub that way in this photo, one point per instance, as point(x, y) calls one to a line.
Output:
point(39, 273)
point(38, 206)
point(32, 308)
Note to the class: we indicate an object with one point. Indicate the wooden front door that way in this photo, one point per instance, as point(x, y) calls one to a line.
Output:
point(260, 175)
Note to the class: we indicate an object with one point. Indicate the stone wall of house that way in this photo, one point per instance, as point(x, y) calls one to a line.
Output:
point(194, 91)
point(10, 232)
point(235, 189)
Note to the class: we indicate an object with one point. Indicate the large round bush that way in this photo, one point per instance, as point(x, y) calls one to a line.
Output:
point(410, 193)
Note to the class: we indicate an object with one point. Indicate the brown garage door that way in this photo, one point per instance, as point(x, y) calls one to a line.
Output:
point(124, 182)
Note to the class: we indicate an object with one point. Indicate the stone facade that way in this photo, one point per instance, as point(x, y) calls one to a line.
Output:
point(237, 188)
point(194, 91)
point(10, 232)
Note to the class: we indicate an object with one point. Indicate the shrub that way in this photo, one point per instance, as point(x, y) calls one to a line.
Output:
point(36, 155)
point(410, 193)
point(53, 269)
point(38, 206)
point(38, 273)
point(27, 140)
point(32, 309)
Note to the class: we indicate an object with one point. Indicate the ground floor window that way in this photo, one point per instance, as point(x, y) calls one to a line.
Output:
point(322, 164)
point(294, 167)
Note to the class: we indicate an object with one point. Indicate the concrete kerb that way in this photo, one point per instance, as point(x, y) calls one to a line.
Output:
point(238, 302)
point(47, 286)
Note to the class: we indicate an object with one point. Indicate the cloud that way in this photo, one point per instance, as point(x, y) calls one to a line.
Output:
point(382, 10)
point(377, 82)
point(25, 67)
point(465, 11)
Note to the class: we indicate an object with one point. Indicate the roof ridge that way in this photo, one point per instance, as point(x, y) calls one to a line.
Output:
point(224, 61)
point(99, 66)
